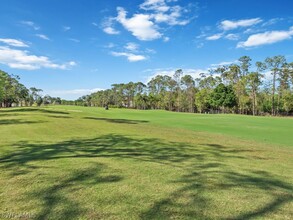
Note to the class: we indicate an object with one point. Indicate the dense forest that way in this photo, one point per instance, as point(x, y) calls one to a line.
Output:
point(264, 88)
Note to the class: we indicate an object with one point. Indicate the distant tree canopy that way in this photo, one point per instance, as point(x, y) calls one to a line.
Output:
point(242, 88)
point(265, 88)
point(13, 93)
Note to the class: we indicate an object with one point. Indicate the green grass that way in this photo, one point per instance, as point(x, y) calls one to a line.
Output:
point(64, 162)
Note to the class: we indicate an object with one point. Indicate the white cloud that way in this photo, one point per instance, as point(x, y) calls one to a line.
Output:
point(214, 37)
point(13, 42)
point(42, 36)
point(140, 25)
point(130, 56)
point(20, 59)
point(132, 52)
point(229, 24)
point(172, 18)
point(268, 37)
point(107, 26)
point(156, 5)
point(232, 36)
point(146, 25)
point(131, 46)
point(30, 24)
point(110, 30)
point(162, 13)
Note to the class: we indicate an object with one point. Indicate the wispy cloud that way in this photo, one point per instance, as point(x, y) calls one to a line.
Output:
point(224, 63)
point(110, 45)
point(233, 24)
point(156, 5)
point(151, 51)
point(74, 91)
point(131, 46)
point(172, 18)
point(13, 42)
point(214, 37)
point(43, 36)
point(21, 59)
point(132, 52)
point(272, 21)
point(71, 94)
point(30, 24)
point(74, 40)
point(130, 56)
point(107, 26)
point(110, 30)
point(195, 73)
point(166, 39)
point(199, 45)
point(268, 37)
point(66, 28)
point(161, 12)
point(232, 36)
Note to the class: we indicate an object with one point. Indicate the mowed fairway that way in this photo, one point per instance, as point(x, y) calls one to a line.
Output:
point(64, 162)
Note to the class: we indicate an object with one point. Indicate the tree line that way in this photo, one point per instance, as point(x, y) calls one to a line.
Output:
point(264, 88)
point(13, 93)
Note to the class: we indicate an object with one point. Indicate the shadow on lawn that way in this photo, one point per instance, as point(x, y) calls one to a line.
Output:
point(58, 194)
point(28, 109)
point(59, 116)
point(119, 121)
point(10, 114)
point(204, 171)
point(18, 121)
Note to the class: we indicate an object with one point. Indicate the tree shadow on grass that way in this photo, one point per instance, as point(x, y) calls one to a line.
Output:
point(204, 167)
point(279, 190)
point(18, 121)
point(9, 114)
point(59, 116)
point(116, 120)
point(28, 109)
point(193, 200)
point(60, 193)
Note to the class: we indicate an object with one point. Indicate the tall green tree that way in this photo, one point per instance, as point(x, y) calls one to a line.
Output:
point(254, 80)
point(274, 64)
point(177, 78)
point(188, 84)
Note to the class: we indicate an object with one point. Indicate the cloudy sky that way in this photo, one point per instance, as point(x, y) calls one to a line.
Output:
point(71, 48)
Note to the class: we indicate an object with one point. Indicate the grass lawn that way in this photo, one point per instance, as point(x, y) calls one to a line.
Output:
point(65, 162)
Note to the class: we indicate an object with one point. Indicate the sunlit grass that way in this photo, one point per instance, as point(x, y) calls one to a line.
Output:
point(65, 162)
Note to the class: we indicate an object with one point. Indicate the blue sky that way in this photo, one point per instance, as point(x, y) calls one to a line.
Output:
point(71, 48)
